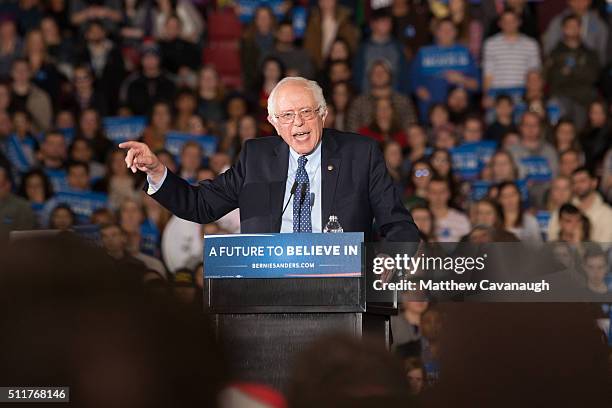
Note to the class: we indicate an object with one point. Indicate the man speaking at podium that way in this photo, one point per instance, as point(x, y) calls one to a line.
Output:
point(294, 183)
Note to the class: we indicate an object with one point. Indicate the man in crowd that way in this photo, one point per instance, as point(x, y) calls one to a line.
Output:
point(28, 97)
point(141, 90)
point(105, 59)
point(77, 176)
point(380, 45)
point(594, 31)
point(533, 144)
point(572, 70)
point(569, 160)
point(297, 61)
point(53, 151)
point(15, 212)
point(588, 199)
point(440, 66)
point(114, 241)
point(509, 55)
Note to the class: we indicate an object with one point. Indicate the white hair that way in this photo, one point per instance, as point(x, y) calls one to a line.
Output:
point(316, 90)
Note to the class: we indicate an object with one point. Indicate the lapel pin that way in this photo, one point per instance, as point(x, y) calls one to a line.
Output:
point(330, 167)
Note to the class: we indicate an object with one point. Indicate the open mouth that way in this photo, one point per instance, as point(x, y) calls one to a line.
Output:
point(301, 135)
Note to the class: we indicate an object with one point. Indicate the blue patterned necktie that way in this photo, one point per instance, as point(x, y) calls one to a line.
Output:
point(301, 199)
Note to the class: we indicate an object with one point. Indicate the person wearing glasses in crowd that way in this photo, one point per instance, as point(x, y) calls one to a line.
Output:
point(321, 172)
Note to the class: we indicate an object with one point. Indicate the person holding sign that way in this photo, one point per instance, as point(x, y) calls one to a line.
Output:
point(439, 67)
point(295, 183)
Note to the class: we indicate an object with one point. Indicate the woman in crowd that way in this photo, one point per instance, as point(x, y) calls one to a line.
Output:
point(247, 129)
point(119, 182)
point(441, 163)
point(236, 106)
point(560, 192)
point(327, 22)
point(341, 96)
point(564, 136)
point(133, 220)
point(192, 24)
point(596, 139)
point(458, 102)
point(85, 95)
point(60, 48)
point(159, 125)
point(392, 153)
point(272, 71)
point(62, 218)
point(535, 99)
point(44, 72)
point(81, 151)
point(469, 30)
point(420, 175)
point(416, 145)
point(516, 220)
point(502, 167)
point(36, 188)
point(185, 105)
point(439, 118)
point(425, 221)
point(210, 96)
point(488, 213)
point(385, 125)
point(257, 42)
point(90, 128)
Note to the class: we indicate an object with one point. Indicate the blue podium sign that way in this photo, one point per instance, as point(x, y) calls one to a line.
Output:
point(283, 255)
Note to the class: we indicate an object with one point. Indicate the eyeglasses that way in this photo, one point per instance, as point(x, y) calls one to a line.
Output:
point(306, 114)
point(421, 173)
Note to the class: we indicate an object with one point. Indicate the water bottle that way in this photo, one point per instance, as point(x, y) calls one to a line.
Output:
point(333, 225)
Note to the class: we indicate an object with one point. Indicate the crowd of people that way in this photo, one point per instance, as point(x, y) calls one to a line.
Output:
point(493, 117)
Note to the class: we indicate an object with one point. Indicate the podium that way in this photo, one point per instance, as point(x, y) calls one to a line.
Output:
point(263, 317)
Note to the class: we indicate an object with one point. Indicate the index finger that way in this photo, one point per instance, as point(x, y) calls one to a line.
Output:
point(129, 144)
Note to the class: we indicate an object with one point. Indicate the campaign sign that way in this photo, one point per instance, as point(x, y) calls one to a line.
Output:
point(465, 161)
point(20, 152)
point(68, 133)
point(82, 203)
point(121, 129)
point(543, 218)
point(553, 111)
point(524, 189)
point(58, 180)
point(149, 238)
point(246, 8)
point(479, 189)
point(536, 169)
point(176, 140)
point(470, 158)
point(283, 255)
point(437, 60)
point(300, 18)
point(89, 232)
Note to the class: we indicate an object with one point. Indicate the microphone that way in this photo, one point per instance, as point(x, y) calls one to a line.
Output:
point(302, 197)
point(295, 183)
point(312, 197)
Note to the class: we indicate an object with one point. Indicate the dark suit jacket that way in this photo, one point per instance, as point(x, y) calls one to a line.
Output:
point(355, 187)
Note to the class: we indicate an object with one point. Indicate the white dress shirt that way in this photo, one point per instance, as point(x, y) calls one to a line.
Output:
point(313, 168)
